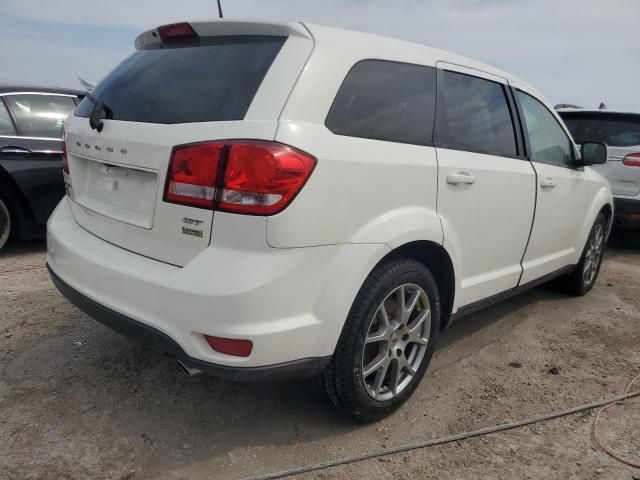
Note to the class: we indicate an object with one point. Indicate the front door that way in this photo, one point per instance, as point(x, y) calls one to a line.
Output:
point(562, 192)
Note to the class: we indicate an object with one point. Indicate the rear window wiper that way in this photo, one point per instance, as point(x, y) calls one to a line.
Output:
point(100, 111)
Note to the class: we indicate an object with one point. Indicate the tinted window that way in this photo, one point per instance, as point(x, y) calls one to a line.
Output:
point(616, 130)
point(473, 114)
point(40, 115)
point(386, 101)
point(6, 125)
point(212, 82)
point(548, 141)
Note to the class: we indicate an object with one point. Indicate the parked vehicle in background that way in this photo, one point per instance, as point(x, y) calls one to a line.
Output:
point(31, 184)
point(266, 202)
point(621, 132)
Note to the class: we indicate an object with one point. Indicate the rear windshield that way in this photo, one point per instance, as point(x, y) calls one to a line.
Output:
point(215, 81)
point(616, 130)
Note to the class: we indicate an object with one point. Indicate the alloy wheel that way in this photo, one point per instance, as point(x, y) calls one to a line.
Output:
point(593, 255)
point(396, 342)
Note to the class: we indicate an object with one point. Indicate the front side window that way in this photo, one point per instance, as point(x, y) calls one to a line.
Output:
point(387, 101)
point(473, 114)
point(548, 141)
point(6, 125)
point(614, 129)
point(40, 115)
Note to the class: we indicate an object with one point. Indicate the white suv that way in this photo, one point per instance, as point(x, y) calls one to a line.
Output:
point(265, 200)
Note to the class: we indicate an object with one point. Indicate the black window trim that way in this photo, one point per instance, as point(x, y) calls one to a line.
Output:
point(520, 153)
point(380, 139)
point(574, 163)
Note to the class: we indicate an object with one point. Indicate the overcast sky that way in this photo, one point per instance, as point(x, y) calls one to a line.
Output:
point(573, 51)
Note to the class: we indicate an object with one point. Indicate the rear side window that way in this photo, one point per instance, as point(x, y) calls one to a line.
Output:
point(387, 101)
point(473, 114)
point(40, 115)
point(6, 125)
point(616, 130)
point(215, 81)
point(549, 142)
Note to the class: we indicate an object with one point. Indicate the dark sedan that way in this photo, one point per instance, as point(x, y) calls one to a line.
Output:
point(31, 182)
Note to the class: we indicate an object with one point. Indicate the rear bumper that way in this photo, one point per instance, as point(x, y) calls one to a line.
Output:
point(627, 212)
point(161, 342)
point(290, 303)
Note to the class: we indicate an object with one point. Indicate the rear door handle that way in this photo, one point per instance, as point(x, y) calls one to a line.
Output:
point(14, 151)
point(548, 183)
point(460, 178)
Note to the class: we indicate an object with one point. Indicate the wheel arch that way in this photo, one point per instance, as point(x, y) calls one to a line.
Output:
point(436, 258)
point(602, 202)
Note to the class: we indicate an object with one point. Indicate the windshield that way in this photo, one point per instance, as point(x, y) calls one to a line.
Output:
point(616, 130)
point(212, 82)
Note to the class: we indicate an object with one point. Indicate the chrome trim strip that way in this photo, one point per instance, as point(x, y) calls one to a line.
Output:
point(30, 138)
point(39, 93)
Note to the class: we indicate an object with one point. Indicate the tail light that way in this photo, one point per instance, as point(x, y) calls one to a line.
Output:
point(65, 163)
point(632, 160)
point(248, 177)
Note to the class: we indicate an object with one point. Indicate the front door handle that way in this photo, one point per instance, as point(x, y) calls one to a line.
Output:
point(548, 183)
point(14, 151)
point(460, 178)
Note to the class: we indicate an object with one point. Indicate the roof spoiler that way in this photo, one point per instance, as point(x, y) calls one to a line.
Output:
point(219, 27)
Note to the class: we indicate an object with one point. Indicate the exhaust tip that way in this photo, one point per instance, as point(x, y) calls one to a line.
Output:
point(188, 371)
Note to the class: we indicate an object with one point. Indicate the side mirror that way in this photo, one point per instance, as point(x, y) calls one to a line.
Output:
point(594, 153)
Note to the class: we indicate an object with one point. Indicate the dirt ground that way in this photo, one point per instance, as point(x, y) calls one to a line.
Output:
point(78, 401)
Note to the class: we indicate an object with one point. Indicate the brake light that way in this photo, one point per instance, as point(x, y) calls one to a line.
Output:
point(65, 162)
point(249, 177)
point(230, 346)
point(177, 32)
point(632, 160)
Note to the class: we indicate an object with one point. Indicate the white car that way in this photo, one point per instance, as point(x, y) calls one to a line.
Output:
point(266, 200)
point(620, 131)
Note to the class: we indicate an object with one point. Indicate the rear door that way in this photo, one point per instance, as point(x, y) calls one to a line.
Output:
point(621, 133)
point(217, 86)
point(486, 188)
point(563, 193)
point(32, 152)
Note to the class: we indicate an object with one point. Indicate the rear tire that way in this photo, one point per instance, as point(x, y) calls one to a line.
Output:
point(387, 341)
point(5, 223)
point(583, 277)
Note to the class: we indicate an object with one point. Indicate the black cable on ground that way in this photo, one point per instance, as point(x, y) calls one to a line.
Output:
point(442, 440)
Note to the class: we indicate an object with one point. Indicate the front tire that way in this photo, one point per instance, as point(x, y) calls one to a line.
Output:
point(583, 277)
point(387, 341)
point(5, 223)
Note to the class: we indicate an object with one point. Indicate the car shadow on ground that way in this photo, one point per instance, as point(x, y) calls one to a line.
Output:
point(112, 387)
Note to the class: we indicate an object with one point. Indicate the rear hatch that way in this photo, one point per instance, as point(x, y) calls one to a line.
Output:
point(621, 133)
point(186, 83)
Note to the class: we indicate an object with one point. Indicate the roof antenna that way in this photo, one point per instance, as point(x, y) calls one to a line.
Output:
point(220, 10)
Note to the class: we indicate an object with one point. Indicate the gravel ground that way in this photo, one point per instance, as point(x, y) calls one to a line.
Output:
point(78, 401)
